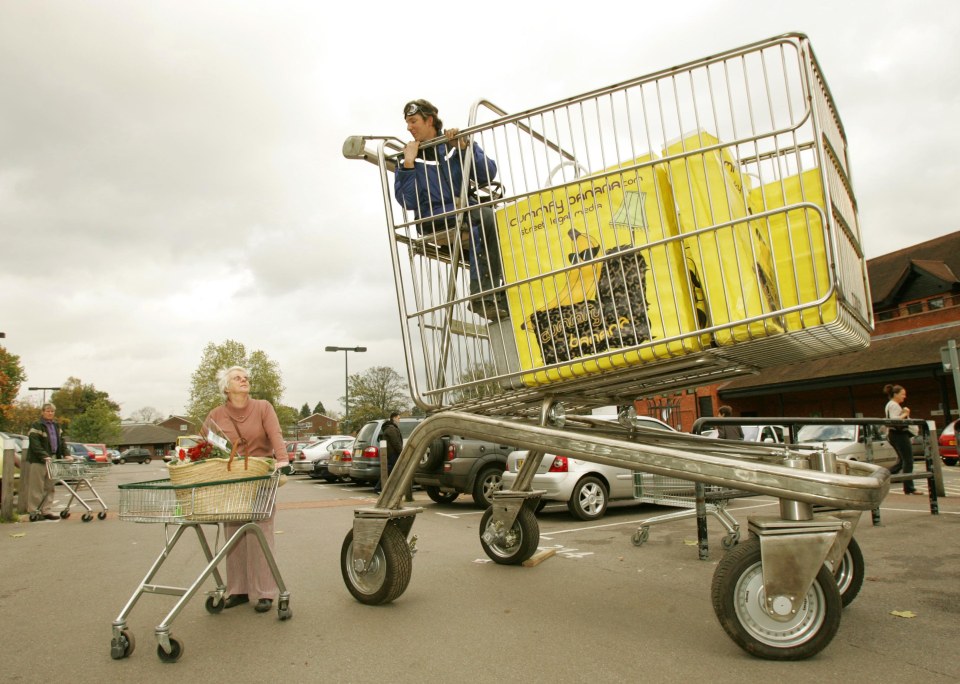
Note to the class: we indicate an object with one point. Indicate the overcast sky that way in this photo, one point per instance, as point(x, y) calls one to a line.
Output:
point(171, 172)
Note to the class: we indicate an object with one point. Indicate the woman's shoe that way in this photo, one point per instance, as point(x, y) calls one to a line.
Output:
point(236, 600)
point(263, 605)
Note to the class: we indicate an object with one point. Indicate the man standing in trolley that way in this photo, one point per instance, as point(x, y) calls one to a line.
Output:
point(428, 182)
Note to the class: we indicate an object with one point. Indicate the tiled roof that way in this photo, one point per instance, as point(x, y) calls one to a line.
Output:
point(939, 257)
point(147, 433)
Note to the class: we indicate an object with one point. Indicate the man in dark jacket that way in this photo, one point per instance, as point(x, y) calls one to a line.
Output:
point(429, 182)
point(46, 443)
point(390, 432)
point(728, 431)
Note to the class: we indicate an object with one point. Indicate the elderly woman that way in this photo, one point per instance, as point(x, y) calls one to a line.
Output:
point(252, 425)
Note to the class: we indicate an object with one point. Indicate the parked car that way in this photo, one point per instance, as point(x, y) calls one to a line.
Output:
point(295, 449)
point(100, 454)
point(587, 488)
point(365, 466)
point(849, 441)
point(339, 465)
point(321, 450)
point(134, 455)
point(80, 452)
point(948, 444)
point(114, 455)
point(766, 434)
point(321, 467)
point(457, 465)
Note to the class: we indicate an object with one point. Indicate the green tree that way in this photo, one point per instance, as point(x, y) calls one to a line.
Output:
point(265, 379)
point(305, 410)
point(288, 417)
point(99, 424)
point(11, 375)
point(23, 414)
point(484, 388)
point(319, 409)
point(374, 394)
point(74, 398)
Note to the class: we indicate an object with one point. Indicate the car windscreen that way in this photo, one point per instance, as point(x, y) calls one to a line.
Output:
point(827, 433)
point(366, 436)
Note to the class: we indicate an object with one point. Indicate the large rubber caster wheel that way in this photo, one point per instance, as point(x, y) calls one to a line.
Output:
point(64, 514)
point(86, 517)
point(283, 610)
point(640, 536)
point(541, 504)
point(214, 604)
point(519, 543)
point(589, 499)
point(122, 646)
point(441, 497)
point(388, 573)
point(849, 575)
point(102, 515)
point(738, 601)
point(176, 650)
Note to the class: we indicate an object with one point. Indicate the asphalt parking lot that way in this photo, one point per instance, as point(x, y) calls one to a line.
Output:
point(601, 609)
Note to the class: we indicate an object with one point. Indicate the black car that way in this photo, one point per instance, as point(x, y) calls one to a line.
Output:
point(134, 455)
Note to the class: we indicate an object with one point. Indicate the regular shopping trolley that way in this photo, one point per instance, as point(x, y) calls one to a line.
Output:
point(77, 477)
point(182, 507)
point(670, 231)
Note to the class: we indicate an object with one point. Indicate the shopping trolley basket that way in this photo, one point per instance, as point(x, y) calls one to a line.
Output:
point(244, 500)
point(77, 476)
point(666, 232)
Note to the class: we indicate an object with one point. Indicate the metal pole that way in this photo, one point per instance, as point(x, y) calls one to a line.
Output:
point(954, 362)
point(346, 385)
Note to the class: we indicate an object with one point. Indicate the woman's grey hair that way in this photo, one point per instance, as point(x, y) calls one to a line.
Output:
point(50, 404)
point(223, 376)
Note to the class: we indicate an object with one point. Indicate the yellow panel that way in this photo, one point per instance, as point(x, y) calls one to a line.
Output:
point(598, 305)
point(734, 261)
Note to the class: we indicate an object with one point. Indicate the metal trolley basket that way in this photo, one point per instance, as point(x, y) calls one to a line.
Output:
point(77, 476)
point(245, 500)
point(669, 231)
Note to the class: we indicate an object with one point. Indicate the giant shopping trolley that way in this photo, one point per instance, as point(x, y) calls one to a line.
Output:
point(77, 477)
point(670, 231)
point(194, 506)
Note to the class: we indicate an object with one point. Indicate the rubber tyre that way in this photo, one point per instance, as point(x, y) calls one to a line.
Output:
point(86, 517)
point(389, 572)
point(438, 496)
point(737, 594)
point(434, 456)
point(213, 606)
point(102, 515)
point(541, 504)
point(64, 514)
point(589, 499)
point(521, 541)
point(122, 461)
point(330, 479)
point(124, 646)
point(487, 482)
point(176, 651)
point(950, 461)
point(849, 576)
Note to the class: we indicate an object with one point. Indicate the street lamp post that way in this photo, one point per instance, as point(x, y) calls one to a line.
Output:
point(44, 390)
point(346, 376)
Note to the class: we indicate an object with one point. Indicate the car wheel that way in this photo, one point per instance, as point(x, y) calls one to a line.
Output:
point(589, 499)
point(950, 461)
point(439, 496)
point(121, 461)
point(434, 456)
point(487, 482)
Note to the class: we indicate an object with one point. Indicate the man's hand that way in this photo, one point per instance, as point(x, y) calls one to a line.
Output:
point(410, 153)
point(451, 133)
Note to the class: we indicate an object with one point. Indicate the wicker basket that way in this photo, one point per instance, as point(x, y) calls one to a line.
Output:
point(215, 494)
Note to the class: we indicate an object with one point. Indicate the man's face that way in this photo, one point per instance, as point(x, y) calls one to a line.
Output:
point(421, 129)
point(49, 413)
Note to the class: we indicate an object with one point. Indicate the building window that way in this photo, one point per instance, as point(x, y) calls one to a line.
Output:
point(935, 303)
point(915, 308)
point(886, 315)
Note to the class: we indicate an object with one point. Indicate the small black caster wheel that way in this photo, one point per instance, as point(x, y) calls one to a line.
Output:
point(176, 650)
point(102, 515)
point(34, 517)
point(731, 540)
point(214, 604)
point(641, 536)
point(87, 517)
point(64, 514)
point(123, 645)
point(283, 610)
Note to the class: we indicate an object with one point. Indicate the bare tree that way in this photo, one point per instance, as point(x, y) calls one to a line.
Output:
point(147, 414)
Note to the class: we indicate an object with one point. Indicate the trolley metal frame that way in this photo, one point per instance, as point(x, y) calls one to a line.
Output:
point(762, 207)
point(76, 476)
point(179, 507)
